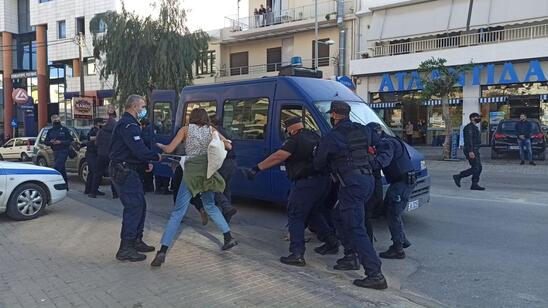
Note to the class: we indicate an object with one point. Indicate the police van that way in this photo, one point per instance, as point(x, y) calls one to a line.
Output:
point(252, 113)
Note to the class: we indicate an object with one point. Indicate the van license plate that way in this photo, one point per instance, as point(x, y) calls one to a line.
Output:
point(513, 147)
point(412, 205)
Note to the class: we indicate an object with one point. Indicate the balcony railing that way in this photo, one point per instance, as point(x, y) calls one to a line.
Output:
point(381, 49)
point(262, 69)
point(326, 11)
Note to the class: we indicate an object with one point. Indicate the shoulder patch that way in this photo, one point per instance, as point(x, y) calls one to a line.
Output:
point(136, 138)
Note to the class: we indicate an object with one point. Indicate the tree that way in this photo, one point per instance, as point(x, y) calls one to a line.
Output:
point(144, 54)
point(441, 81)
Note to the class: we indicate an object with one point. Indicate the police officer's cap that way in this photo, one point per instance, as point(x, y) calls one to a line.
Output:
point(339, 107)
point(98, 121)
point(292, 121)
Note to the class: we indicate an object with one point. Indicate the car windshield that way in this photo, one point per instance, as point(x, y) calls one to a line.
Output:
point(509, 127)
point(360, 112)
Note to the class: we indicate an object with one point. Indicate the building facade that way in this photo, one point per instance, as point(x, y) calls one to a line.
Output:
point(505, 41)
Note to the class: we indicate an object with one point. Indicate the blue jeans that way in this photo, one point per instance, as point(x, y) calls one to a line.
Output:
point(181, 205)
point(525, 148)
point(396, 200)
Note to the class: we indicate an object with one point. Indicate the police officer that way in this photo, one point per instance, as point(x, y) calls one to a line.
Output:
point(128, 156)
point(103, 141)
point(91, 157)
point(59, 139)
point(344, 151)
point(472, 142)
point(395, 162)
point(308, 190)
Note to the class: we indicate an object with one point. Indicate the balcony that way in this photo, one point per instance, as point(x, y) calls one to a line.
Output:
point(382, 49)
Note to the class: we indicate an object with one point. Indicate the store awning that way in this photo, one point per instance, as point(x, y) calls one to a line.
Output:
point(437, 102)
point(70, 95)
point(495, 99)
point(544, 97)
point(384, 105)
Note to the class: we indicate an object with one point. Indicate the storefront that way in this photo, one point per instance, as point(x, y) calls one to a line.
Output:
point(101, 99)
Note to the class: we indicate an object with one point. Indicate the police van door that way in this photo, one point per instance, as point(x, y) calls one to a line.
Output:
point(284, 111)
point(162, 119)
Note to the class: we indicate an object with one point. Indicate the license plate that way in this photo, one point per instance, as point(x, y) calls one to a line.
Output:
point(412, 205)
point(513, 147)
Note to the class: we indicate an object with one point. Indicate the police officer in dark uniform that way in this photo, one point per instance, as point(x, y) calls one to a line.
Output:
point(59, 139)
point(309, 188)
point(91, 157)
point(128, 156)
point(472, 142)
point(344, 151)
point(394, 160)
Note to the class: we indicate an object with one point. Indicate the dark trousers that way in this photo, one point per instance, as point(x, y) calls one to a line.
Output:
point(61, 157)
point(148, 181)
point(224, 199)
point(374, 207)
point(91, 159)
point(101, 170)
point(305, 199)
point(161, 183)
point(351, 213)
point(397, 197)
point(133, 199)
point(475, 167)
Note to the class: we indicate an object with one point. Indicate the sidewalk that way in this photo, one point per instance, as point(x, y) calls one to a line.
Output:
point(436, 153)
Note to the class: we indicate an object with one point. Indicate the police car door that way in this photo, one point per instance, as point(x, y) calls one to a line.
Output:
point(162, 118)
point(284, 111)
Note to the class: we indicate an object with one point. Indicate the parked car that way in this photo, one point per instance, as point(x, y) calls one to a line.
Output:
point(43, 154)
point(18, 149)
point(505, 140)
point(26, 190)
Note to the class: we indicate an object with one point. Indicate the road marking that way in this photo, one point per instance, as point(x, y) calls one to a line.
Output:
point(510, 201)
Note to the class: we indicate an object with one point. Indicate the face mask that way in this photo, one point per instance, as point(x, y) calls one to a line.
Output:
point(142, 114)
point(56, 123)
point(476, 120)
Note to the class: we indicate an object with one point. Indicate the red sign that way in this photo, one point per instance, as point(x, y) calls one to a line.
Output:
point(20, 96)
point(82, 108)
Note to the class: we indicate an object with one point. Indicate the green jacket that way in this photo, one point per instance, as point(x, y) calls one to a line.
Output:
point(195, 179)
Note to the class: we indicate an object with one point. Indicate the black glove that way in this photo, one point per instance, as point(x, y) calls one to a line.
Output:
point(250, 173)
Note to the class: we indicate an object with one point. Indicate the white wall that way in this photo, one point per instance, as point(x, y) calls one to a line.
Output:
point(8, 16)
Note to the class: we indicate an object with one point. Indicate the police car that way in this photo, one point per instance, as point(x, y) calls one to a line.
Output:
point(26, 190)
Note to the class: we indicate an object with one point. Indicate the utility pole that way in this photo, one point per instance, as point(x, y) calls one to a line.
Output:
point(315, 60)
point(342, 38)
point(81, 42)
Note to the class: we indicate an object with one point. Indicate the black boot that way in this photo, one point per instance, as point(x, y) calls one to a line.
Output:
point(347, 258)
point(142, 247)
point(159, 259)
point(377, 282)
point(331, 246)
point(394, 252)
point(522, 163)
point(456, 178)
point(406, 243)
point(475, 186)
point(229, 241)
point(127, 252)
point(229, 212)
point(293, 259)
point(350, 265)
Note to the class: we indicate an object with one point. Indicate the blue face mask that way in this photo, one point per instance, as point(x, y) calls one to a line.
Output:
point(142, 114)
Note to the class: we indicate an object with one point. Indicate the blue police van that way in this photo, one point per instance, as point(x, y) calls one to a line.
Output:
point(252, 113)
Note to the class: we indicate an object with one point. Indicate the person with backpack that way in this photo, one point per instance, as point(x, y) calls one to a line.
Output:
point(102, 142)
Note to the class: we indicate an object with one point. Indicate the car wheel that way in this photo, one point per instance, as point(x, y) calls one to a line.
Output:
point(83, 171)
point(27, 202)
point(24, 157)
point(41, 161)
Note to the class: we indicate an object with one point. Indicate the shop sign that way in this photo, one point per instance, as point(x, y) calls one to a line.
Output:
point(407, 81)
point(495, 117)
point(23, 75)
point(82, 108)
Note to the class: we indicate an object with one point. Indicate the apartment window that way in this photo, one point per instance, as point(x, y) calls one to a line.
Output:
point(239, 64)
point(246, 119)
point(205, 63)
point(61, 29)
point(102, 26)
point(81, 25)
point(323, 52)
point(273, 59)
point(91, 68)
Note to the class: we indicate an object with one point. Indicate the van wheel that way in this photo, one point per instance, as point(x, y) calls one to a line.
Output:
point(41, 161)
point(27, 201)
point(83, 171)
point(24, 157)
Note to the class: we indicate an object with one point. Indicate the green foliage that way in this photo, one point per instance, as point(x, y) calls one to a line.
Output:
point(145, 53)
point(438, 79)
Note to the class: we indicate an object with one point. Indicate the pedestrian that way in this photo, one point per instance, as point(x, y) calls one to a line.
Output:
point(472, 142)
point(409, 133)
point(103, 142)
point(344, 152)
point(524, 129)
point(196, 138)
point(392, 157)
point(147, 133)
point(128, 155)
point(309, 189)
point(91, 156)
point(59, 139)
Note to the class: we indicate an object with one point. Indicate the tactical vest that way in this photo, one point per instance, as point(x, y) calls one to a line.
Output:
point(357, 156)
point(401, 163)
point(300, 164)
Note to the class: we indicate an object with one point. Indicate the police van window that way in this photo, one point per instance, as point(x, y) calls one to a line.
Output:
point(297, 111)
point(209, 106)
point(162, 118)
point(246, 118)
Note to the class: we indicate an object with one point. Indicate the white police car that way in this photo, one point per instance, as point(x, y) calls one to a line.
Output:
point(26, 190)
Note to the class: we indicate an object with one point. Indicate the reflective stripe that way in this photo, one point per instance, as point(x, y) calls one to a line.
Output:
point(4, 171)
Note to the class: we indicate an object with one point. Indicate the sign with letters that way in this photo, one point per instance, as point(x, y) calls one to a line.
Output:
point(82, 108)
point(407, 81)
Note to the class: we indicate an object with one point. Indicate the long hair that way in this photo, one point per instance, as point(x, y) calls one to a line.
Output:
point(199, 117)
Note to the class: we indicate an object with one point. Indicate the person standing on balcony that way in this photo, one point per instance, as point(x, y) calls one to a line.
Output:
point(262, 15)
point(257, 18)
point(523, 131)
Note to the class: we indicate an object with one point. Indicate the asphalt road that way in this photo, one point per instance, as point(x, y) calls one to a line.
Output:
point(470, 249)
